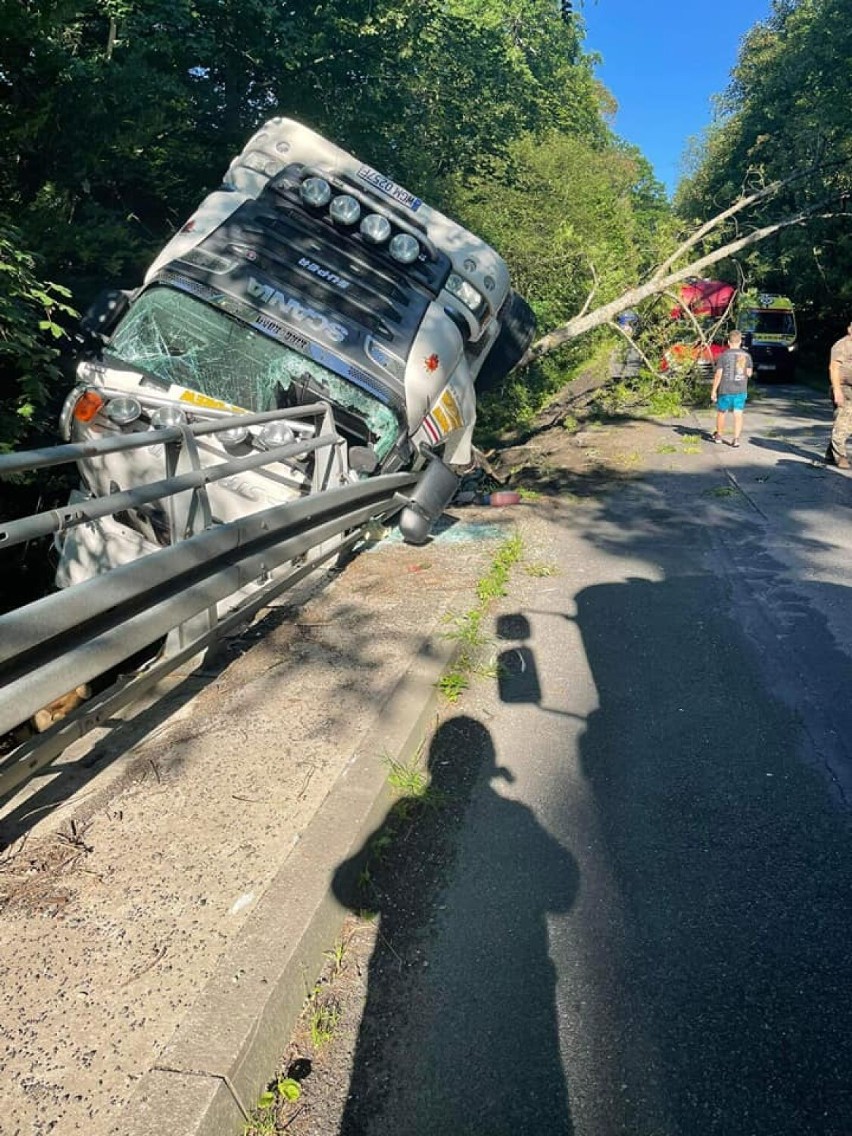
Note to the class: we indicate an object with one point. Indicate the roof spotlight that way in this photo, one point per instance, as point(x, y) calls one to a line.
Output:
point(345, 209)
point(233, 437)
point(376, 228)
point(166, 416)
point(316, 192)
point(404, 248)
point(276, 434)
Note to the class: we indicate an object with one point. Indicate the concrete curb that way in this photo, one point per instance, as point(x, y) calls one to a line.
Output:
point(229, 1045)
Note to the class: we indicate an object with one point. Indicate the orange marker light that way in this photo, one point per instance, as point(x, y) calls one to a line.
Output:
point(88, 405)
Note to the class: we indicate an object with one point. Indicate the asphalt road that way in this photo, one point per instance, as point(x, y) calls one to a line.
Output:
point(638, 921)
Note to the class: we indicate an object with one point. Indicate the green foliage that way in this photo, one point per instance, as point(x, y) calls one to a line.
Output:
point(324, 1020)
point(454, 683)
point(30, 334)
point(786, 110)
point(119, 116)
point(408, 778)
point(570, 216)
point(468, 627)
point(515, 404)
point(263, 1121)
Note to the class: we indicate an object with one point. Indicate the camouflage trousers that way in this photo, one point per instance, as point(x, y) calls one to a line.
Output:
point(841, 429)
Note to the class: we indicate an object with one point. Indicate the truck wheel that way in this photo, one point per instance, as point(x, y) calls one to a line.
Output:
point(517, 328)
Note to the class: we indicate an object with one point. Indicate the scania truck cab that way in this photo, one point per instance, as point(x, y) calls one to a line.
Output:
point(768, 324)
point(306, 278)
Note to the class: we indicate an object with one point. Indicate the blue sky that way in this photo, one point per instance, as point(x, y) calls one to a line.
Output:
point(663, 60)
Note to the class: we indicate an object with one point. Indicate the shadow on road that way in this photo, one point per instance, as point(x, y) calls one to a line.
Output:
point(459, 1034)
point(733, 863)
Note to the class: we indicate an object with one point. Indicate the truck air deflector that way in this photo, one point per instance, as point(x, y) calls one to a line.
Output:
point(254, 242)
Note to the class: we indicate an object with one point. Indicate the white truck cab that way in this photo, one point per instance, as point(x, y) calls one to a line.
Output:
point(307, 277)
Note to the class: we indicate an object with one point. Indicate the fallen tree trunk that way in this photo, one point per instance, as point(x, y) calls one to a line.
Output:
point(588, 321)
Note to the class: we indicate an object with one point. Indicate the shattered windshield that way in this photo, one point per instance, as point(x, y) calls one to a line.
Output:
point(183, 341)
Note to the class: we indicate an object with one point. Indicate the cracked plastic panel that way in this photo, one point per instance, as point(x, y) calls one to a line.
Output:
point(183, 341)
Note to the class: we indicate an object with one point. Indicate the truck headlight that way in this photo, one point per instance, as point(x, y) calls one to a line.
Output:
point(345, 209)
point(465, 292)
point(276, 434)
point(165, 417)
point(316, 192)
point(404, 248)
point(122, 411)
point(376, 228)
point(234, 437)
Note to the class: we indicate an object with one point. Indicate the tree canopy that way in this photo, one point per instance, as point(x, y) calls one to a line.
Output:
point(787, 111)
point(118, 115)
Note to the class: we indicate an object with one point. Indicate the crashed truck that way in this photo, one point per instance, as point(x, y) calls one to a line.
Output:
point(306, 278)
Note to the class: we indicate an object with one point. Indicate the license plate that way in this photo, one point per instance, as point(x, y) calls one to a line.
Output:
point(766, 366)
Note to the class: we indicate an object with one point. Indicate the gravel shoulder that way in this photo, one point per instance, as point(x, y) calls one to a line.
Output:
point(140, 877)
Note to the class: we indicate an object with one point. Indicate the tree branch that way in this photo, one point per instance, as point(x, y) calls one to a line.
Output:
point(594, 288)
point(621, 331)
point(580, 324)
point(742, 202)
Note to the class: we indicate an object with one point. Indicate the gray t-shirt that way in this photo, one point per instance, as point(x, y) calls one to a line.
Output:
point(736, 366)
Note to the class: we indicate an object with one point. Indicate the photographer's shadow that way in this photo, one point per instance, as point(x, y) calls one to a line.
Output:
point(459, 1032)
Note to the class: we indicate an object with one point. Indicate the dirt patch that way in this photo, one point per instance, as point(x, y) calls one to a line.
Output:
point(565, 457)
point(37, 877)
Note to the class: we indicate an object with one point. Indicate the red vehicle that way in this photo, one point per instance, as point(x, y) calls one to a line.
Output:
point(707, 303)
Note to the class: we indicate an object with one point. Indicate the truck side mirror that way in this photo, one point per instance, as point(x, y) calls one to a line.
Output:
point(101, 318)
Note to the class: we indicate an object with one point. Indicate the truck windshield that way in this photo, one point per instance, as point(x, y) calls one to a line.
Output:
point(181, 340)
point(770, 323)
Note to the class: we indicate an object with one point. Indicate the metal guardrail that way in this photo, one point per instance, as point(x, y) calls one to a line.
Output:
point(54, 644)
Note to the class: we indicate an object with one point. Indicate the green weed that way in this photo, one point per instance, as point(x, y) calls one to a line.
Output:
point(486, 670)
point(666, 403)
point(336, 957)
point(408, 778)
point(324, 1020)
point(467, 628)
point(263, 1120)
point(541, 570)
point(380, 844)
point(631, 460)
point(453, 684)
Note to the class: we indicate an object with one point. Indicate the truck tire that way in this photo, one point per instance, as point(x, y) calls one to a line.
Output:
point(516, 334)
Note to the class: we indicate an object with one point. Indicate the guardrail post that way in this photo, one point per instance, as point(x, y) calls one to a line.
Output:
point(189, 514)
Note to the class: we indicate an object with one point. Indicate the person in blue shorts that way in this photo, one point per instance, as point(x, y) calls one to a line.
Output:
point(730, 386)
